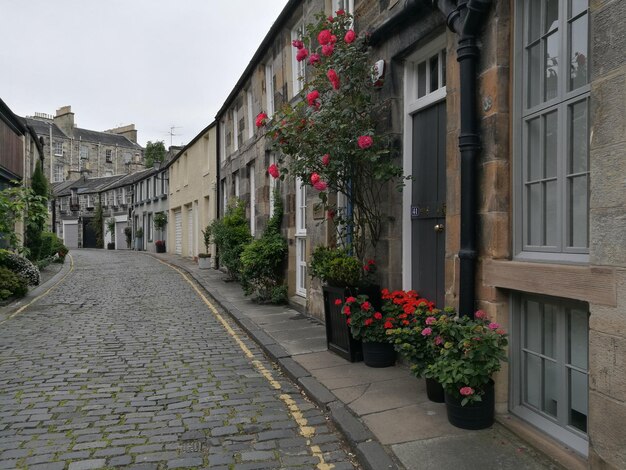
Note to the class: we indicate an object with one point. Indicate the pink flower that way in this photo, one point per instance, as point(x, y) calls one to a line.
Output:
point(273, 171)
point(466, 391)
point(334, 78)
point(314, 178)
point(350, 36)
point(302, 54)
point(430, 320)
point(326, 160)
point(427, 332)
point(312, 98)
point(297, 44)
point(378, 316)
point(320, 185)
point(365, 305)
point(365, 142)
point(333, 39)
point(340, 12)
point(493, 326)
point(324, 37)
point(314, 59)
point(260, 119)
point(327, 50)
point(438, 340)
point(338, 302)
point(480, 314)
point(388, 325)
point(330, 19)
point(331, 214)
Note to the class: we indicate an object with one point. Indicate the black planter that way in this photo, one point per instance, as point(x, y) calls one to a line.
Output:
point(478, 415)
point(160, 248)
point(434, 391)
point(379, 354)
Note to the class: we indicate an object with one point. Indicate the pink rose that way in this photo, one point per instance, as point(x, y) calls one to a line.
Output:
point(493, 326)
point(430, 320)
point(324, 37)
point(365, 142)
point(350, 36)
point(302, 54)
point(314, 178)
point(466, 391)
point(438, 340)
point(340, 12)
point(480, 314)
point(320, 185)
point(260, 119)
point(297, 44)
point(327, 50)
point(427, 332)
point(312, 98)
point(273, 171)
point(314, 59)
point(334, 78)
point(326, 160)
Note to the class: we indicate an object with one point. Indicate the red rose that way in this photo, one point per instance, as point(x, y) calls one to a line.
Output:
point(273, 171)
point(388, 325)
point(320, 185)
point(297, 44)
point(350, 36)
point(326, 160)
point(340, 12)
point(314, 178)
point(302, 54)
point(312, 98)
point(334, 78)
point(260, 119)
point(338, 302)
point(327, 50)
point(314, 59)
point(365, 142)
point(324, 37)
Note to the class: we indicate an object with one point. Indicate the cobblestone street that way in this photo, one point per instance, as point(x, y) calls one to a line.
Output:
point(123, 364)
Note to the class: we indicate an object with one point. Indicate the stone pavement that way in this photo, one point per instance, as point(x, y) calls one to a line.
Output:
point(123, 364)
point(384, 413)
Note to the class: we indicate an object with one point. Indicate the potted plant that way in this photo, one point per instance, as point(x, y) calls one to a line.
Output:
point(204, 259)
point(160, 246)
point(128, 233)
point(111, 230)
point(160, 221)
point(139, 239)
point(471, 351)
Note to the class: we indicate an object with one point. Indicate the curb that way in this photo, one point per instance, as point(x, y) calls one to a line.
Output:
point(372, 455)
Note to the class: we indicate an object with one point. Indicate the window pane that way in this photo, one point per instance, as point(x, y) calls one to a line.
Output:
point(421, 79)
point(579, 212)
point(434, 73)
point(552, 45)
point(577, 6)
point(532, 326)
point(533, 380)
point(550, 146)
point(535, 214)
point(549, 330)
point(579, 138)
point(534, 75)
point(552, 15)
point(534, 20)
point(578, 37)
point(551, 235)
point(578, 400)
point(551, 388)
point(578, 338)
point(535, 171)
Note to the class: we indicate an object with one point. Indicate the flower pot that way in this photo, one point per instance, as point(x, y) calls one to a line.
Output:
point(204, 263)
point(139, 243)
point(160, 248)
point(338, 337)
point(434, 391)
point(477, 415)
point(379, 354)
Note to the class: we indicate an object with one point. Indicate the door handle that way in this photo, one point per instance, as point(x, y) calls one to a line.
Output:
point(439, 228)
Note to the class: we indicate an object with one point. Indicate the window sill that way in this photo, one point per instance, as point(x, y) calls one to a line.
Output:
point(589, 284)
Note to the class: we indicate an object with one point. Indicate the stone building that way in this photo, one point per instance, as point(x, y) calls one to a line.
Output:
point(510, 117)
point(150, 191)
point(70, 150)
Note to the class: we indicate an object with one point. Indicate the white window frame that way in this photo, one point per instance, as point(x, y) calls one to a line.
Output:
point(58, 173)
point(222, 141)
point(298, 68)
point(108, 155)
point(235, 129)
point(273, 186)
point(84, 152)
point(250, 120)
point(224, 197)
point(252, 179)
point(58, 148)
point(301, 238)
point(269, 89)
point(561, 104)
point(347, 5)
point(237, 183)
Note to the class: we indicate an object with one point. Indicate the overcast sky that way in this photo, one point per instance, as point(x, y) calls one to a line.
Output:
point(154, 63)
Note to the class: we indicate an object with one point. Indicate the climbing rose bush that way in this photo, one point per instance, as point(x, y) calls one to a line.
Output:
point(330, 132)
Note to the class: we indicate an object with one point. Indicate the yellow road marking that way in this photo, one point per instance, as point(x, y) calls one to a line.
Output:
point(24, 307)
point(306, 431)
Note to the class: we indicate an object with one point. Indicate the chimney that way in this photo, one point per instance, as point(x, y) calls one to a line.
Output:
point(65, 120)
point(127, 131)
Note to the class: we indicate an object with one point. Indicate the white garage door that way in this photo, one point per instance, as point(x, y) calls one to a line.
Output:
point(120, 237)
point(70, 234)
point(190, 232)
point(178, 224)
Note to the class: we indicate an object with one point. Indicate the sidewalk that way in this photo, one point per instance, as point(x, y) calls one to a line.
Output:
point(383, 413)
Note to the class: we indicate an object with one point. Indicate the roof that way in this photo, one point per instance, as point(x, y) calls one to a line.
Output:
point(11, 119)
point(42, 127)
point(85, 185)
point(105, 138)
point(129, 179)
point(282, 19)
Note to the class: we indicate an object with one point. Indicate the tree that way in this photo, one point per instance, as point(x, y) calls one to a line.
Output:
point(35, 225)
point(155, 152)
point(16, 201)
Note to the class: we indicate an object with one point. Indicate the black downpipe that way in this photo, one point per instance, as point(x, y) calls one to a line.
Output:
point(466, 20)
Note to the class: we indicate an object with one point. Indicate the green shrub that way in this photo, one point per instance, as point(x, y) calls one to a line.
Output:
point(336, 267)
point(279, 295)
point(20, 266)
point(11, 284)
point(52, 245)
point(231, 234)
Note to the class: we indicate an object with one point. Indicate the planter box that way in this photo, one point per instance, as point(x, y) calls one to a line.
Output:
point(204, 263)
point(139, 243)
